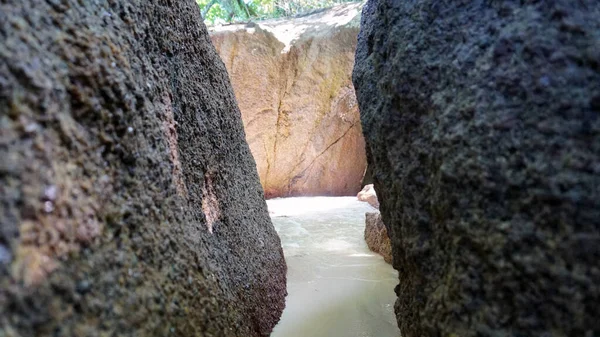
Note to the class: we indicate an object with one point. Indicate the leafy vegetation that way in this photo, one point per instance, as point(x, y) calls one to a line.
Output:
point(227, 11)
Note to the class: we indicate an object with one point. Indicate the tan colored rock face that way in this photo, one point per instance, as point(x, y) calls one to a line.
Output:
point(292, 80)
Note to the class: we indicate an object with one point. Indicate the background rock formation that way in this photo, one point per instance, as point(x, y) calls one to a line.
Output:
point(292, 80)
point(130, 203)
point(481, 120)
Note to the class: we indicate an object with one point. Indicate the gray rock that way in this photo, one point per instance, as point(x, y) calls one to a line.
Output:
point(482, 129)
point(158, 226)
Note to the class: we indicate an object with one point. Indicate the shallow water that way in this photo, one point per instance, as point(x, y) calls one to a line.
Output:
point(336, 286)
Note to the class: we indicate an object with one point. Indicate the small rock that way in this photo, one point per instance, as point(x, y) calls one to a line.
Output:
point(368, 195)
point(377, 237)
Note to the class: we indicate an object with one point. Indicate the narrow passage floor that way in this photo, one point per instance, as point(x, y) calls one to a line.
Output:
point(337, 287)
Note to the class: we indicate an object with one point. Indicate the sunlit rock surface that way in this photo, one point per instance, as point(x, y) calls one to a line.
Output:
point(292, 81)
point(337, 287)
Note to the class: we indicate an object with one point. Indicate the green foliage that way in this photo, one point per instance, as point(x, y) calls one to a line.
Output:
point(227, 11)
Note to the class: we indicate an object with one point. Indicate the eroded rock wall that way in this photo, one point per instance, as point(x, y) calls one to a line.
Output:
point(130, 203)
point(481, 121)
point(292, 80)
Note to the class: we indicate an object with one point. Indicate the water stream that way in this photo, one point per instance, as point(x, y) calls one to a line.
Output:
point(336, 286)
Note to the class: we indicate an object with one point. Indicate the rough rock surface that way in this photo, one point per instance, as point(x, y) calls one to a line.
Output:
point(482, 125)
point(130, 203)
point(292, 80)
point(367, 194)
point(377, 237)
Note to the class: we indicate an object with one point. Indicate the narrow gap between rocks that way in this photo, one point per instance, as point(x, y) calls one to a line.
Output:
point(292, 81)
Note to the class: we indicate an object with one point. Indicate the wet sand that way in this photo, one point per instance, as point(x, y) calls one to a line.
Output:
point(337, 287)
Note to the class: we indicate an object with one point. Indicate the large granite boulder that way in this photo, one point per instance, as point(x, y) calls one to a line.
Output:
point(292, 80)
point(130, 203)
point(482, 125)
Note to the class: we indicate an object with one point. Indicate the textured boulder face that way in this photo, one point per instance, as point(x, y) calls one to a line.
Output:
point(377, 237)
point(481, 122)
point(130, 203)
point(292, 80)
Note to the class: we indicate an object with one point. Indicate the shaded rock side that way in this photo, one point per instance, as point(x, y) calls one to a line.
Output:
point(377, 237)
point(481, 121)
point(130, 203)
point(292, 80)
point(367, 194)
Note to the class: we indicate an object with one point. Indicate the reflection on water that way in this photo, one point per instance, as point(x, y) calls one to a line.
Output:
point(337, 287)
